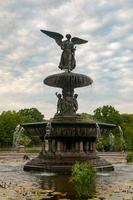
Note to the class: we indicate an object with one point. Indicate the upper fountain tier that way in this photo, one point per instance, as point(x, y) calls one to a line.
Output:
point(68, 80)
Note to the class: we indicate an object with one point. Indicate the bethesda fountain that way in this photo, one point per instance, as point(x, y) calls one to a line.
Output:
point(67, 138)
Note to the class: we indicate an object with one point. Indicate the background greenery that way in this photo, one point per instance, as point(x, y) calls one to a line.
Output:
point(108, 114)
point(10, 119)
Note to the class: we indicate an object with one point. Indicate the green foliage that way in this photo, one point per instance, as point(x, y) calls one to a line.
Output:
point(84, 179)
point(37, 197)
point(24, 140)
point(128, 135)
point(87, 117)
point(129, 157)
point(10, 119)
point(128, 130)
point(108, 114)
point(103, 144)
point(33, 149)
point(31, 115)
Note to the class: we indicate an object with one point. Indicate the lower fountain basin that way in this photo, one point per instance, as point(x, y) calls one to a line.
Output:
point(62, 163)
point(69, 141)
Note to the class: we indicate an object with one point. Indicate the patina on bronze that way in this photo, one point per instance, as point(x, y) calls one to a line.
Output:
point(67, 61)
point(69, 137)
point(68, 81)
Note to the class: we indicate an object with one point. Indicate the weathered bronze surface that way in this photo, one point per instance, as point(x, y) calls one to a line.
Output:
point(68, 80)
point(69, 138)
point(67, 103)
point(67, 61)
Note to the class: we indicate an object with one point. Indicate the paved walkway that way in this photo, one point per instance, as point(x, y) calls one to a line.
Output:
point(113, 157)
point(15, 155)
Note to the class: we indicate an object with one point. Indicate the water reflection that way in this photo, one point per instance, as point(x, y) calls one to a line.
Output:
point(60, 183)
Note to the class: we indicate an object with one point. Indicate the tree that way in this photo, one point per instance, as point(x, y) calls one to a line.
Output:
point(86, 116)
point(128, 130)
point(8, 121)
point(108, 114)
point(31, 115)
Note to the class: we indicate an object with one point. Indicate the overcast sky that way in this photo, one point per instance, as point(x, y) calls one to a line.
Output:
point(27, 56)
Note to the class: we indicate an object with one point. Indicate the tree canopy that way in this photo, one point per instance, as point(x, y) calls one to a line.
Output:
point(31, 115)
point(10, 119)
point(108, 114)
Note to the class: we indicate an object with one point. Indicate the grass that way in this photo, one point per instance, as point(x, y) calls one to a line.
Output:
point(34, 149)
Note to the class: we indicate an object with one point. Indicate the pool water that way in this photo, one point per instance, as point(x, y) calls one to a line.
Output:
point(13, 172)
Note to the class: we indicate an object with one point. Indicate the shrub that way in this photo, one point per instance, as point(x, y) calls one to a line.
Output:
point(24, 140)
point(129, 157)
point(84, 179)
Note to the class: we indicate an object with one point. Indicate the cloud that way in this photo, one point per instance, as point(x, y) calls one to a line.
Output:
point(27, 56)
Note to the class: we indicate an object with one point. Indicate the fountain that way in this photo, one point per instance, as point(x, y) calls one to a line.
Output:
point(111, 141)
point(67, 138)
point(123, 143)
point(17, 134)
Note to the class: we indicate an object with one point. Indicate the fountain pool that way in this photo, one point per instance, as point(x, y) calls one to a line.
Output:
point(107, 182)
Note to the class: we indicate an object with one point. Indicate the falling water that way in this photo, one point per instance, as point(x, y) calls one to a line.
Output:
point(111, 141)
point(16, 135)
point(98, 131)
point(48, 131)
point(123, 143)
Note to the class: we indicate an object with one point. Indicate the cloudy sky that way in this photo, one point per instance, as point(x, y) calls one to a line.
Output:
point(27, 56)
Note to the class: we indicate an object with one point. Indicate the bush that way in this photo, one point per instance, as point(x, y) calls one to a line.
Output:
point(24, 140)
point(84, 179)
point(129, 157)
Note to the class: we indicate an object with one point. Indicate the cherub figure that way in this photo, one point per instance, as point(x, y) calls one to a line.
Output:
point(59, 103)
point(67, 61)
point(75, 102)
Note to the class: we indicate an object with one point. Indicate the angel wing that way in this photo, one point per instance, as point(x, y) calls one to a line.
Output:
point(56, 36)
point(77, 40)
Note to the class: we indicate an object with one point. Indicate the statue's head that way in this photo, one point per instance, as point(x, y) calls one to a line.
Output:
point(68, 36)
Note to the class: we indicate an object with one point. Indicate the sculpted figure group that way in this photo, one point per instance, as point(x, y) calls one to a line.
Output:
point(67, 104)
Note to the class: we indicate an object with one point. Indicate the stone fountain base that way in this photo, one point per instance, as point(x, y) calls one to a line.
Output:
point(62, 163)
point(71, 140)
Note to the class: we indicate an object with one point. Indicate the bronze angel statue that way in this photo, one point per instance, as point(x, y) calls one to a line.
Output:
point(67, 61)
